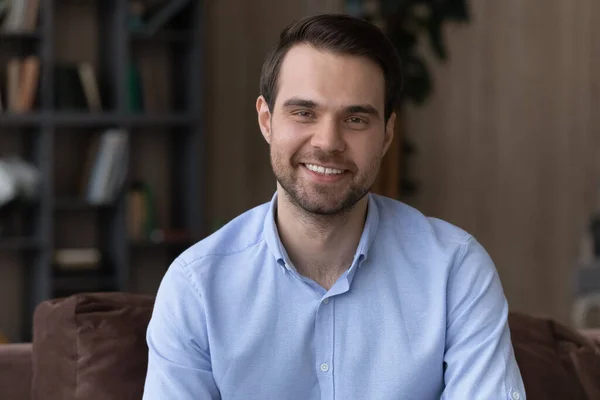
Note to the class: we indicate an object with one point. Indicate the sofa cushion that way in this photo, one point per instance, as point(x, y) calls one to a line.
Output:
point(91, 346)
point(556, 362)
point(15, 371)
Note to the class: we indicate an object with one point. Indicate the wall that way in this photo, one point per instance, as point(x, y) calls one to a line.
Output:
point(508, 144)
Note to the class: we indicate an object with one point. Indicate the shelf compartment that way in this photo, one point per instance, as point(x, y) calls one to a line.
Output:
point(167, 36)
point(67, 203)
point(20, 36)
point(21, 119)
point(19, 243)
point(108, 119)
point(66, 119)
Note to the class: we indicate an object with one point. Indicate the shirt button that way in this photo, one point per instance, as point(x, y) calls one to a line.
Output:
point(515, 395)
point(326, 301)
point(324, 367)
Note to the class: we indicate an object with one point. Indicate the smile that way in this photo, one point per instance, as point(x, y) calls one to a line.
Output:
point(323, 170)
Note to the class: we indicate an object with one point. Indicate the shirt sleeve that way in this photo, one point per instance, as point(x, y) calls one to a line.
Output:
point(479, 359)
point(179, 365)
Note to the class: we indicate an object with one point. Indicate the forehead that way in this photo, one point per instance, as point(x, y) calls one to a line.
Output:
point(329, 78)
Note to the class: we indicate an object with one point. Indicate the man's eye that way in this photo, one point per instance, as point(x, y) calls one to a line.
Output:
point(303, 114)
point(356, 120)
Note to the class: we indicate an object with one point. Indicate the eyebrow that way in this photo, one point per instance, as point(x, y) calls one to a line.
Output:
point(352, 109)
point(362, 109)
point(297, 102)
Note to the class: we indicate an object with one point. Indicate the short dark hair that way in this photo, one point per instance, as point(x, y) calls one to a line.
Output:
point(338, 33)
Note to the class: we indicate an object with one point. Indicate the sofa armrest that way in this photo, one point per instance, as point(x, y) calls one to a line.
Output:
point(15, 371)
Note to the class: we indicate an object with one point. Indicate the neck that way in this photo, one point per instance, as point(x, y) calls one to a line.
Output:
point(320, 247)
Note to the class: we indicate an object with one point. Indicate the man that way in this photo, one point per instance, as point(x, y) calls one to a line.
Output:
point(329, 291)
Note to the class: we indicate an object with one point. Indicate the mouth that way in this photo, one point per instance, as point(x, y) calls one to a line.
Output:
point(323, 170)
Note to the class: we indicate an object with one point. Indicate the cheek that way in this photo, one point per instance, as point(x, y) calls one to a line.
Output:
point(365, 149)
point(287, 138)
point(292, 130)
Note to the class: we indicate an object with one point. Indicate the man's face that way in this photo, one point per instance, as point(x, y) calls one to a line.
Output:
point(326, 131)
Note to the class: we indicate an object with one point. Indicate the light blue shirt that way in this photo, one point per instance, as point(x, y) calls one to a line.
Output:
point(420, 314)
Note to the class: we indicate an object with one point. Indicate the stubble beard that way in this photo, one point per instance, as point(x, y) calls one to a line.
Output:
point(324, 200)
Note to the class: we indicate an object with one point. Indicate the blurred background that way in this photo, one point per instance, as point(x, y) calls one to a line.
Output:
point(128, 131)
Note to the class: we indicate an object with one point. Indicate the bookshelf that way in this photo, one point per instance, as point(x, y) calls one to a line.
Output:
point(149, 86)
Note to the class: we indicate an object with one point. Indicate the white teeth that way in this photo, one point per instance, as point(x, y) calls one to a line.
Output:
point(323, 170)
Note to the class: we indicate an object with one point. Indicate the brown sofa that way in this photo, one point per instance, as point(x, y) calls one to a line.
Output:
point(92, 346)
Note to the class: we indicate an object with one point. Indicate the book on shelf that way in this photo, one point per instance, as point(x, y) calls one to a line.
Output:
point(134, 89)
point(13, 71)
point(106, 167)
point(153, 67)
point(84, 258)
point(22, 83)
point(20, 15)
point(76, 87)
point(29, 79)
point(87, 76)
point(141, 221)
point(142, 226)
point(148, 90)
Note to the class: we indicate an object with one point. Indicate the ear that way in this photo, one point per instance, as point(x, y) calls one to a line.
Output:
point(389, 133)
point(264, 118)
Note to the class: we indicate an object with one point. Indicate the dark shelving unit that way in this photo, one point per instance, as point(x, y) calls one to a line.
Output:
point(74, 203)
point(19, 243)
point(65, 119)
point(42, 128)
point(173, 36)
point(21, 38)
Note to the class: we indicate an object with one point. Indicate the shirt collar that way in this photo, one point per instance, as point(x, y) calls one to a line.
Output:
point(276, 248)
point(271, 235)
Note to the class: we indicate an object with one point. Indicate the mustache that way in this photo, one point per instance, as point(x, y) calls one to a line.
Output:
point(318, 156)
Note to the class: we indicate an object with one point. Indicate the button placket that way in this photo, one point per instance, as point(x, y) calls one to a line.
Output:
point(324, 325)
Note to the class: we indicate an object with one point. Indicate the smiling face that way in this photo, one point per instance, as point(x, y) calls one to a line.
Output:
point(326, 131)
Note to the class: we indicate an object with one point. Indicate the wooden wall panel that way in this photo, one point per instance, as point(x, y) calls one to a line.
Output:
point(507, 144)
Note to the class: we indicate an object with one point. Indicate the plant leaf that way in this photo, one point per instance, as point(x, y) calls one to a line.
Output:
point(456, 10)
point(435, 35)
point(417, 79)
point(402, 39)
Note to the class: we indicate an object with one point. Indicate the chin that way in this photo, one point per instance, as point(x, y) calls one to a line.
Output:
point(325, 204)
point(317, 199)
point(323, 209)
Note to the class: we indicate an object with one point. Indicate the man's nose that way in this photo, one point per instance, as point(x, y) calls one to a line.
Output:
point(328, 137)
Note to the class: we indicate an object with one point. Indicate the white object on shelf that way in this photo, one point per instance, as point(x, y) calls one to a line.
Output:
point(8, 186)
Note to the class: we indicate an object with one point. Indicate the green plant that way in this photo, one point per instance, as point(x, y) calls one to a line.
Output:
point(407, 21)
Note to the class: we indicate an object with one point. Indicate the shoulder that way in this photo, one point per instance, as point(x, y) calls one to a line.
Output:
point(401, 219)
point(432, 244)
point(239, 235)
